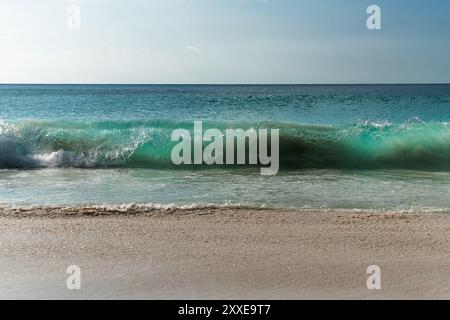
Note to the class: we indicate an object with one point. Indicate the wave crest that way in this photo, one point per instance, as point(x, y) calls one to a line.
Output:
point(411, 145)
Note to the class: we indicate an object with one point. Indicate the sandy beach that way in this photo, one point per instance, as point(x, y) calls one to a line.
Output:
point(222, 254)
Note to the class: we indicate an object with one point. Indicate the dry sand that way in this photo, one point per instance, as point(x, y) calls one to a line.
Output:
point(222, 253)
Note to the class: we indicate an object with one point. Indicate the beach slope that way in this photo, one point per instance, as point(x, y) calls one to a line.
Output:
point(222, 253)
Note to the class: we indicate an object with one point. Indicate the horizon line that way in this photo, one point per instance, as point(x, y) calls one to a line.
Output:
point(232, 84)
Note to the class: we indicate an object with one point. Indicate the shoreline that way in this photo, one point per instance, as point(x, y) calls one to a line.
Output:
point(154, 209)
point(222, 253)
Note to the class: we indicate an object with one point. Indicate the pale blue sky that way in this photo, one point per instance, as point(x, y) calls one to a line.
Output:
point(224, 41)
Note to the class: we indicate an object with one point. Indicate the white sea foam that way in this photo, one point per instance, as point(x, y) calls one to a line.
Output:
point(137, 208)
point(53, 159)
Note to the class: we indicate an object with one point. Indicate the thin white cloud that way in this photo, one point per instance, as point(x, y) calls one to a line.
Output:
point(191, 49)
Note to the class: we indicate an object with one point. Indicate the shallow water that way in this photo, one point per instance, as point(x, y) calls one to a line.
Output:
point(379, 189)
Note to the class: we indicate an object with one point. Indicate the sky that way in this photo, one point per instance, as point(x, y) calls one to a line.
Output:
point(223, 41)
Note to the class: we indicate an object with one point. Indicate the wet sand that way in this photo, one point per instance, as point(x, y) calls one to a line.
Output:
point(227, 253)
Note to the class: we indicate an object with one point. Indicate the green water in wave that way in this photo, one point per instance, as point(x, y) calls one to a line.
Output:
point(147, 144)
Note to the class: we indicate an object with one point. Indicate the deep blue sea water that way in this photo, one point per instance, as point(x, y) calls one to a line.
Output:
point(341, 146)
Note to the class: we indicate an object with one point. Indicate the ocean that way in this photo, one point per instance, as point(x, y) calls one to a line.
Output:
point(364, 147)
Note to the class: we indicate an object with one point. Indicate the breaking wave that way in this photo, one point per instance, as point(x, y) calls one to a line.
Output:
point(147, 144)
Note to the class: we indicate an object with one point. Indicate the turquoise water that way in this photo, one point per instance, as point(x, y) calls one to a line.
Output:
point(366, 147)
